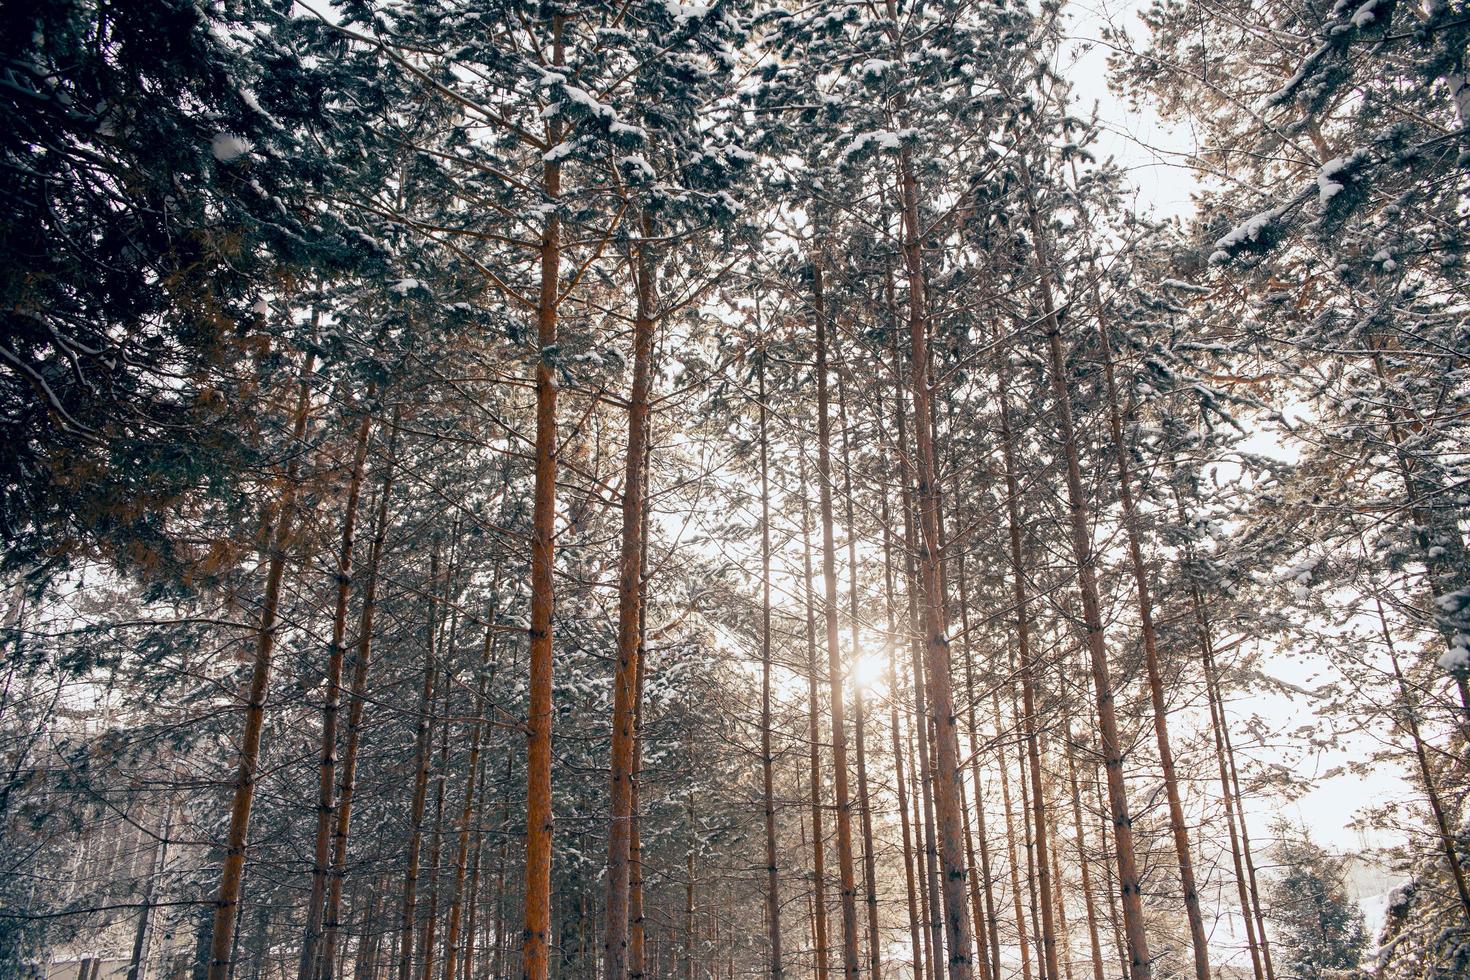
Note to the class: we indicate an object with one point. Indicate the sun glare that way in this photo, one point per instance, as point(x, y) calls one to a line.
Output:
point(868, 673)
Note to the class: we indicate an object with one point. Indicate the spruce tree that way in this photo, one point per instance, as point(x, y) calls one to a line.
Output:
point(1320, 931)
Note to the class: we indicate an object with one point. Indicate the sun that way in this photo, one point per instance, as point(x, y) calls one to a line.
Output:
point(868, 673)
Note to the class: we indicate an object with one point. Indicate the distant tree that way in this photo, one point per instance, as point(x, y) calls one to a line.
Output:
point(1320, 931)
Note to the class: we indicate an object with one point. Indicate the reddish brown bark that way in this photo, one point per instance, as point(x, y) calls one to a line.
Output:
point(1084, 864)
point(227, 900)
point(1079, 520)
point(536, 939)
point(819, 874)
point(922, 721)
point(916, 942)
point(859, 698)
point(768, 795)
point(1182, 852)
point(983, 913)
point(327, 768)
point(950, 823)
point(357, 703)
point(1232, 786)
point(851, 963)
point(1015, 867)
point(636, 916)
point(423, 760)
point(1028, 684)
point(615, 938)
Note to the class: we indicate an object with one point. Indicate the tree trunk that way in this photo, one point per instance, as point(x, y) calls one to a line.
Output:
point(1012, 860)
point(981, 913)
point(1028, 683)
point(535, 947)
point(917, 597)
point(615, 939)
point(814, 734)
point(368, 933)
point(1426, 773)
point(689, 937)
point(851, 962)
point(1064, 935)
point(472, 923)
point(467, 811)
point(1182, 852)
point(497, 955)
point(327, 769)
point(923, 817)
point(1140, 962)
point(357, 703)
point(1028, 814)
point(227, 901)
point(423, 752)
point(768, 797)
point(157, 864)
point(982, 898)
point(859, 696)
point(1212, 687)
point(890, 610)
point(1110, 864)
point(636, 916)
point(1083, 864)
point(937, 661)
point(1217, 722)
point(429, 947)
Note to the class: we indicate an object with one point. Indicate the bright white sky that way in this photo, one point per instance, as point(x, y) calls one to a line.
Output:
point(1153, 152)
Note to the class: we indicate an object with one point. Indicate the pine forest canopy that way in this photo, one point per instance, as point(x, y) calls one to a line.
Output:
point(632, 489)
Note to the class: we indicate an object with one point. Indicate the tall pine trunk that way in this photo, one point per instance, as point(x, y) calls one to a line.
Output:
point(1212, 689)
point(615, 938)
point(472, 923)
point(1083, 862)
point(814, 735)
point(851, 963)
point(1079, 520)
point(636, 916)
point(356, 705)
point(1180, 832)
point(982, 913)
point(1242, 884)
point(859, 699)
point(327, 768)
point(467, 809)
point(768, 795)
point(157, 864)
point(536, 939)
point(232, 875)
point(1012, 861)
point(1028, 683)
point(423, 759)
point(949, 821)
point(922, 727)
point(889, 603)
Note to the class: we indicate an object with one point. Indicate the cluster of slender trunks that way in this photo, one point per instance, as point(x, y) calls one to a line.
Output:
point(952, 897)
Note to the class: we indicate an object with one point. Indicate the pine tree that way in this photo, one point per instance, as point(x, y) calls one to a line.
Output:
point(1320, 931)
